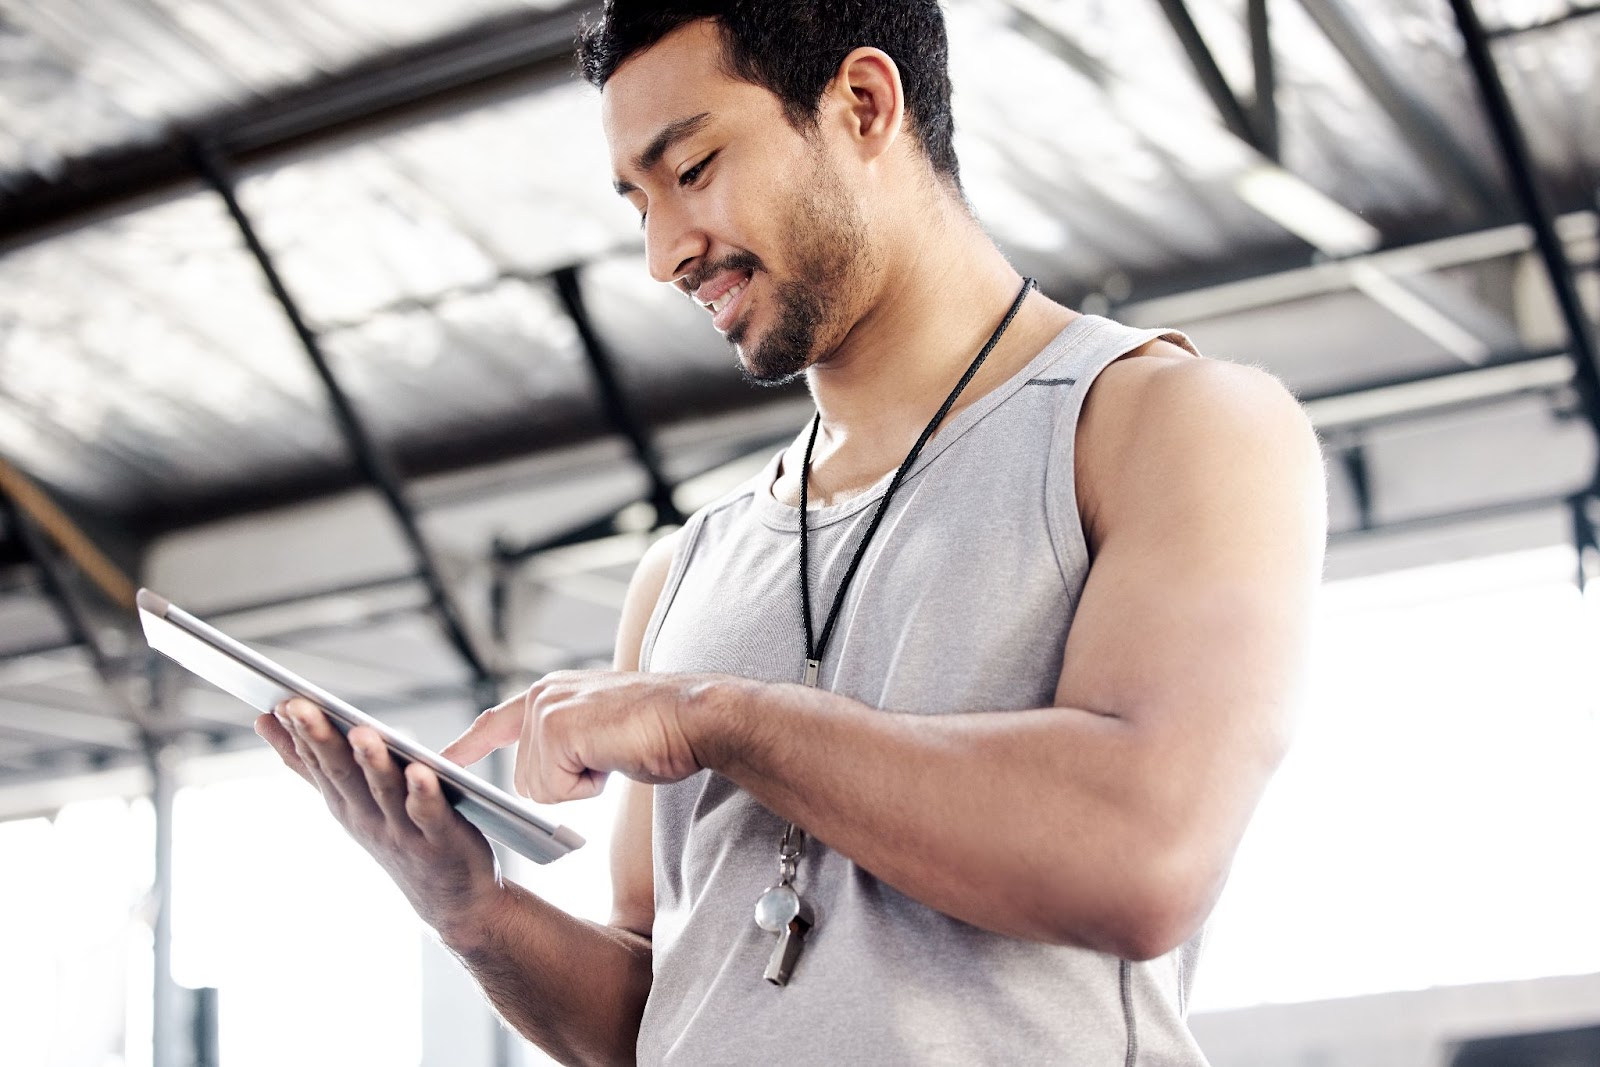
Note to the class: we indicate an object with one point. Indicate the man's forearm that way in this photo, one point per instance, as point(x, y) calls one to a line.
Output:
point(574, 988)
point(1054, 824)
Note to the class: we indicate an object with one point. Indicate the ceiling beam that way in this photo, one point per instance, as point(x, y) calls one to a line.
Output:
point(1535, 206)
point(614, 400)
point(371, 458)
point(1337, 276)
point(1264, 108)
point(1447, 520)
point(1427, 394)
point(22, 501)
point(494, 59)
point(1241, 121)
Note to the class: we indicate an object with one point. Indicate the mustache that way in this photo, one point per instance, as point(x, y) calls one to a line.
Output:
point(746, 262)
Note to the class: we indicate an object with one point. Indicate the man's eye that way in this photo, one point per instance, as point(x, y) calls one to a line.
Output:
point(692, 175)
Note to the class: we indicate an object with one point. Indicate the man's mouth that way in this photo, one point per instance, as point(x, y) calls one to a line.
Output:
point(721, 298)
point(727, 298)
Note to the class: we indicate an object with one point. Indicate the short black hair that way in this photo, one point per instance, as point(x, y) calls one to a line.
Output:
point(793, 49)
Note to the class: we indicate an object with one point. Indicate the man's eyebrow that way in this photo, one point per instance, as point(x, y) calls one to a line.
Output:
point(670, 134)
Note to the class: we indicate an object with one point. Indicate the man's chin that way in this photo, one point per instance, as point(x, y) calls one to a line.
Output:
point(758, 368)
point(769, 377)
point(777, 355)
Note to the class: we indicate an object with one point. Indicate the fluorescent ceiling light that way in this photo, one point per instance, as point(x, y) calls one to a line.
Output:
point(1303, 211)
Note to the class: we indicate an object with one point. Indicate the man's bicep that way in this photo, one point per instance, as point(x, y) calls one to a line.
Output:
point(632, 858)
point(1194, 620)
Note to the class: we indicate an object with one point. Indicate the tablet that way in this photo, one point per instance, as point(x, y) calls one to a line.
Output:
point(263, 684)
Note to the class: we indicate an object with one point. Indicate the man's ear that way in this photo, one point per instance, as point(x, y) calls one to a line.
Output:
point(866, 98)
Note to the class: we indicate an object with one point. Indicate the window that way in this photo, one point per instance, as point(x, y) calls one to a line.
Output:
point(1435, 821)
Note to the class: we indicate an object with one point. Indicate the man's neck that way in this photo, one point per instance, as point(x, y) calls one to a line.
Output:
point(936, 307)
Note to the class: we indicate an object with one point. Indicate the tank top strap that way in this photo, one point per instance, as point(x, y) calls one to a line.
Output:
point(1104, 342)
point(1097, 342)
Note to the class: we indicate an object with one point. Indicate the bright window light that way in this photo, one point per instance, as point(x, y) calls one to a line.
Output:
point(315, 955)
point(71, 925)
point(1435, 822)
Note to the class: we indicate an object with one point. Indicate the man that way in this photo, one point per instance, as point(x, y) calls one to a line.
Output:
point(988, 783)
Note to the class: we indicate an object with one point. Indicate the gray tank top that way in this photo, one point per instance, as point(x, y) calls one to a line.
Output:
point(962, 602)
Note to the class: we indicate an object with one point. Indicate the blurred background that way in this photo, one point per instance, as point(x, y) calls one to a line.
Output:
point(321, 318)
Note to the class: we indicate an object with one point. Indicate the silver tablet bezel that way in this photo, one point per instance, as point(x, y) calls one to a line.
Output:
point(195, 645)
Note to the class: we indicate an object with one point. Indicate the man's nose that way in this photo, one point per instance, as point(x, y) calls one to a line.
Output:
point(672, 243)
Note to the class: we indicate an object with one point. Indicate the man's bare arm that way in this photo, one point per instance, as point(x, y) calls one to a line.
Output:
point(1110, 820)
point(575, 988)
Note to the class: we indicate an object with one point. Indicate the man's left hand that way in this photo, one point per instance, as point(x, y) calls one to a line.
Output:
point(575, 727)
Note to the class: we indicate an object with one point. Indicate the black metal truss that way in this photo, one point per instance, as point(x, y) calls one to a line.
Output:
point(1354, 460)
point(372, 460)
point(1586, 538)
point(1264, 108)
point(614, 401)
point(1535, 207)
point(1242, 120)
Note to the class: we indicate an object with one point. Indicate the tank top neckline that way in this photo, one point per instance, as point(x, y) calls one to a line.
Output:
point(781, 516)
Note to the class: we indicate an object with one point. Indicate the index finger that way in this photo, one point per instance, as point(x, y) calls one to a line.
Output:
point(496, 728)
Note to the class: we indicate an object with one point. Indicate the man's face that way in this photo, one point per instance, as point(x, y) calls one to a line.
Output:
point(741, 211)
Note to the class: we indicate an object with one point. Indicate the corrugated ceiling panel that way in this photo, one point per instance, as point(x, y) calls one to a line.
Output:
point(142, 360)
point(84, 74)
point(501, 357)
point(1552, 77)
point(522, 187)
point(144, 353)
point(1339, 138)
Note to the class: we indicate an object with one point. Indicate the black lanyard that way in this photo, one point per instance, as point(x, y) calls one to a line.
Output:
point(814, 647)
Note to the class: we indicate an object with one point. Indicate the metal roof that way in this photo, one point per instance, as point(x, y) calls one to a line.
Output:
point(426, 178)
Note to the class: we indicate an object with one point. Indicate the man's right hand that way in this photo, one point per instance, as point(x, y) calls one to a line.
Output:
point(438, 859)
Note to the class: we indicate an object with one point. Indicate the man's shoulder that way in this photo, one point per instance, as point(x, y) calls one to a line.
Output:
point(1161, 413)
point(1159, 390)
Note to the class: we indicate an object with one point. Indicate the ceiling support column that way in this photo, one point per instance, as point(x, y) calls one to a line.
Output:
point(168, 1029)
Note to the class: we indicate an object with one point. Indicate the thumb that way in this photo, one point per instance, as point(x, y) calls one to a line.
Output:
point(496, 728)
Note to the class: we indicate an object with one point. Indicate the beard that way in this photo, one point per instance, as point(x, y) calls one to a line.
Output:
point(830, 257)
